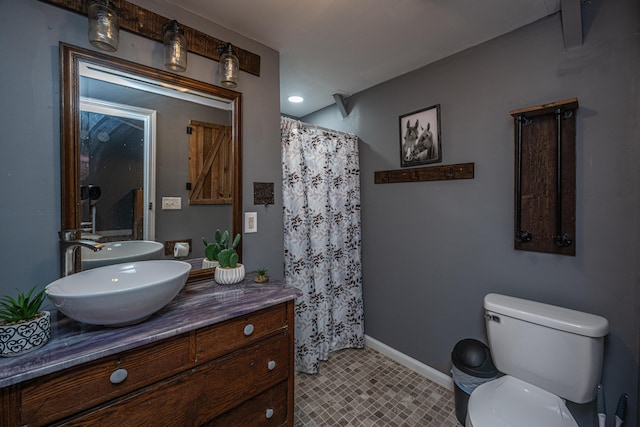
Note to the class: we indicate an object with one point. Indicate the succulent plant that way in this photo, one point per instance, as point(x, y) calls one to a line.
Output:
point(24, 307)
point(228, 257)
point(261, 276)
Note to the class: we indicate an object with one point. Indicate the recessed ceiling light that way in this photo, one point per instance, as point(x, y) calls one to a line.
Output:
point(296, 98)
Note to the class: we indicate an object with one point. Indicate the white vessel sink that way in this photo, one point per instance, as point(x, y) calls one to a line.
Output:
point(119, 252)
point(120, 294)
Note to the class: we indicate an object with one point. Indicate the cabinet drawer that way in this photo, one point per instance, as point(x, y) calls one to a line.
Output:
point(266, 409)
point(75, 389)
point(223, 338)
point(198, 395)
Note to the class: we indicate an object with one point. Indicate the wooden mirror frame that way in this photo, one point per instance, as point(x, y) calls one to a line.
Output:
point(70, 56)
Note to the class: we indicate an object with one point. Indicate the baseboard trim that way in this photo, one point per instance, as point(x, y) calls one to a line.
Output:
point(415, 365)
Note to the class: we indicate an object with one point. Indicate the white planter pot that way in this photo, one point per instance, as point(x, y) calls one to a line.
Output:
point(209, 264)
point(24, 337)
point(229, 276)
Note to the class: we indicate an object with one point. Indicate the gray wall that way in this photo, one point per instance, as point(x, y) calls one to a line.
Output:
point(432, 250)
point(30, 137)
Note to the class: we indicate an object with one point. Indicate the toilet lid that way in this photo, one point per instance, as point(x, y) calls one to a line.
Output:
point(510, 402)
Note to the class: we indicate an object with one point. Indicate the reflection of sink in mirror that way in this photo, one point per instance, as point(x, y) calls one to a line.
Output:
point(120, 294)
point(119, 252)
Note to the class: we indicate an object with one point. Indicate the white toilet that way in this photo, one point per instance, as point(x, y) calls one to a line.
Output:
point(547, 354)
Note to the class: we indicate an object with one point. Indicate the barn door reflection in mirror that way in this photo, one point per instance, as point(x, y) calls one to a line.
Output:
point(210, 163)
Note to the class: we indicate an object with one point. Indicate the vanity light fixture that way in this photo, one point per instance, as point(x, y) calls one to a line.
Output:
point(103, 25)
point(175, 47)
point(229, 66)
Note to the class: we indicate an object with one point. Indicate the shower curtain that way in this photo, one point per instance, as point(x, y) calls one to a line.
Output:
point(321, 198)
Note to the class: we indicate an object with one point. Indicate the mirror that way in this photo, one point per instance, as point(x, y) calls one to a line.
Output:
point(141, 115)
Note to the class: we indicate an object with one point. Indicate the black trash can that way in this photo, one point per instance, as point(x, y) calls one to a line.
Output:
point(471, 366)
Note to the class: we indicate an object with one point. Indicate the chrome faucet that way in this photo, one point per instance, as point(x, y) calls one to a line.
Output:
point(68, 245)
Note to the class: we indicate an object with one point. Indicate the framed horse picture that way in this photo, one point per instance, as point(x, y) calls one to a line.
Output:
point(420, 141)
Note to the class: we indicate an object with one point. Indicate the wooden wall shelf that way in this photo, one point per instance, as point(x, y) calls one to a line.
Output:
point(430, 173)
point(145, 23)
point(545, 178)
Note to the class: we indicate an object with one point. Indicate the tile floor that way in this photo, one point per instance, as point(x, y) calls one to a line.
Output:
point(362, 387)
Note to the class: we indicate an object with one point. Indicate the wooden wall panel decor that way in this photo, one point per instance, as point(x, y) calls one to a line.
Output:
point(210, 164)
point(145, 23)
point(545, 178)
point(429, 173)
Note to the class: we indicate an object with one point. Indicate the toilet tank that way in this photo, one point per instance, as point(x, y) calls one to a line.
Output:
point(557, 349)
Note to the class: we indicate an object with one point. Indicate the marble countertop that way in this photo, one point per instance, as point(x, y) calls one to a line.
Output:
point(200, 304)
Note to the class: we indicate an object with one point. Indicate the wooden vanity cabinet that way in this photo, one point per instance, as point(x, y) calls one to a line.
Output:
point(65, 393)
point(238, 372)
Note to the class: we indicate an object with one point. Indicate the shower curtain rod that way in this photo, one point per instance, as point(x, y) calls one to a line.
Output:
point(311, 125)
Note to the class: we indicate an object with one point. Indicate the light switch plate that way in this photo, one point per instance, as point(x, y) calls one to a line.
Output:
point(251, 222)
point(169, 203)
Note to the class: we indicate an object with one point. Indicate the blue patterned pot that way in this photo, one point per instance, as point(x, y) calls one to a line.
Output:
point(20, 338)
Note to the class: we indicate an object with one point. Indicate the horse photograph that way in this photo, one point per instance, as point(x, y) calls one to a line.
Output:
point(420, 137)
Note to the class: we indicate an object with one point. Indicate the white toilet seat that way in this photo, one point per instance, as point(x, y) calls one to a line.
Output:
point(510, 402)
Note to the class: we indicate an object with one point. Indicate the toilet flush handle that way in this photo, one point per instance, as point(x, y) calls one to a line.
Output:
point(492, 317)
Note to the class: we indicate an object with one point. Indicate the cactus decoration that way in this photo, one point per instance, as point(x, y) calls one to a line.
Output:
point(221, 251)
point(228, 258)
point(212, 250)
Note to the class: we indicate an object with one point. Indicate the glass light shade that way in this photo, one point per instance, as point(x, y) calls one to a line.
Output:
point(103, 25)
point(229, 68)
point(175, 47)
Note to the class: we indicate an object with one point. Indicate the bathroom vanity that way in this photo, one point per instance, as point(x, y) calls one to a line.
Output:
point(216, 355)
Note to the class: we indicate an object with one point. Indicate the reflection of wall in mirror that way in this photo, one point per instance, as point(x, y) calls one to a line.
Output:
point(172, 150)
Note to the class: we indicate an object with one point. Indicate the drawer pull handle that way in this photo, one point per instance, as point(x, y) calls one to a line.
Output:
point(271, 365)
point(248, 330)
point(269, 413)
point(118, 376)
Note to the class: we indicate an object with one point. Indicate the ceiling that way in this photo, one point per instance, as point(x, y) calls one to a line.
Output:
point(344, 47)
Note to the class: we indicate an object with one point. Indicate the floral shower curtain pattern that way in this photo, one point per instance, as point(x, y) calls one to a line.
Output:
point(322, 240)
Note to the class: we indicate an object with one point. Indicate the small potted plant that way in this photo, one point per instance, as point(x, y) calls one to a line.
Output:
point(229, 270)
point(23, 327)
point(261, 276)
point(211, 250)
